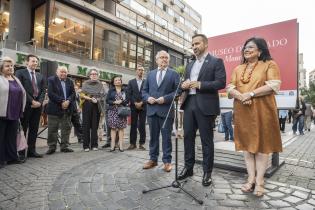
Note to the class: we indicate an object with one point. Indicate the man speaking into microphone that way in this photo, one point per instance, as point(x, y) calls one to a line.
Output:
point(203, 78)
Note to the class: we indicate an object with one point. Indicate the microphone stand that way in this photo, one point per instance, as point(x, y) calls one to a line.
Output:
point(175, 183)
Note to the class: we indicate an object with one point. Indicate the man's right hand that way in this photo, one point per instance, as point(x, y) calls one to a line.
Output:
point(151, 100)
point(185, 85)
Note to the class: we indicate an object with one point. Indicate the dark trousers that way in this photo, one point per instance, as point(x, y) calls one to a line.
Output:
point(54, 124)
point(193, 120)
point(76, 122)
point(299, 120)
point(282, 123)
point(155, 125)
point(8, 133)
point(227, 124)
point(30, 123)
point(91, 118)
point(137, 122)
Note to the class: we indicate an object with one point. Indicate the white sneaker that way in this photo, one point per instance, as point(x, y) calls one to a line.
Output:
point(86, 150)
point(95, 149)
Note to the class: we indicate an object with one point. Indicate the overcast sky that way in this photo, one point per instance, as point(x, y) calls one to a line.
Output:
point(225, 16)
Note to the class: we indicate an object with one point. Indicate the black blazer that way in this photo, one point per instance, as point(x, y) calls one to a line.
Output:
point(212, 77)
point(134, 94)
point(26, 81)
point(56, 97)
point(111, 98)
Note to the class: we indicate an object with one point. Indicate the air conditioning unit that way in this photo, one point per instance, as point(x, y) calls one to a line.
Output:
point(172, 2)
point(145, 0)
point(182, 10)
point(163, 26)
point(175, 19)
point(147, 17)
point(196, 31)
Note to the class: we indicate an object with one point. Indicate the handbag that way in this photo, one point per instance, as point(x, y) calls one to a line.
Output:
point(221, 127)
point(124, 111)
point(21, 143)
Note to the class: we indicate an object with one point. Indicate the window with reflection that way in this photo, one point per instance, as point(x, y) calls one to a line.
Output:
point(4, 19)
point(69, 30)
point(144, 53)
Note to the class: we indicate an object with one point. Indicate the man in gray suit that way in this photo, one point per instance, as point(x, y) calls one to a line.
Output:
point(158, 91)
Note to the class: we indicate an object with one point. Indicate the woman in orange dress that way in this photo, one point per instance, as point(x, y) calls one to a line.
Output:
point(253, 86)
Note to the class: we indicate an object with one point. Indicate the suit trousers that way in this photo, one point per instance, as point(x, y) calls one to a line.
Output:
point(91, 118)
point(155, 125)
point(30, 123)
point(8, 133)
point(138, 118)
point(54, 124)
point(282, 123)
point(193, 120)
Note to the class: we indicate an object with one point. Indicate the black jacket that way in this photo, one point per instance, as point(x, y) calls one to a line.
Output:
point(56, 96)
point(134, 94)
point(111, 98)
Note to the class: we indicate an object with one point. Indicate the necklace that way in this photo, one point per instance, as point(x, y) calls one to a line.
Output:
point(245, 81)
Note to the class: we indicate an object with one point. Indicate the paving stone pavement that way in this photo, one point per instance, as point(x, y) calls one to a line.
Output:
point(104, 180)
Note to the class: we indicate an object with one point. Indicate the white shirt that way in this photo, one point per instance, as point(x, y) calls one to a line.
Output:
point(139, 83)
point(158, 73)
point(195, 70)
point(30, 72)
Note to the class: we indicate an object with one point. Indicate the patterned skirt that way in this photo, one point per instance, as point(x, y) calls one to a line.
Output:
point(114, 121)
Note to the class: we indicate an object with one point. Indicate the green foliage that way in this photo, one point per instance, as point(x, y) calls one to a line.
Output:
point(180, 70)
point(309, 93)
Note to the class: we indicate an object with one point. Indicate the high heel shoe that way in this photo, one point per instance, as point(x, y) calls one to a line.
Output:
point(121, 150)
point(248, 187)
point(259, 190)
point(112, 150)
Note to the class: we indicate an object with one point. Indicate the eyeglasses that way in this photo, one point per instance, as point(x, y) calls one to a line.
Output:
point(250, 47)
point(163, 57)
point(94, 74)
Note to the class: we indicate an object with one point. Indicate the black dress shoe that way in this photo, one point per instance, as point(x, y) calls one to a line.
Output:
point(34, 154)
point(18, 161)
point(66, 150)
point(185, 173)
point(206, 180)
point(106, 145)
point(50, 151)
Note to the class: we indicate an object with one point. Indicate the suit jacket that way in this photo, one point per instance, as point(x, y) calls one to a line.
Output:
point(212, 77)
point(26, 80)
point(167, 89)
point(134, 94)
point(56, 96)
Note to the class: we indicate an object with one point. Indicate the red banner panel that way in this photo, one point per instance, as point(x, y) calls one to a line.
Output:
point(282, 39)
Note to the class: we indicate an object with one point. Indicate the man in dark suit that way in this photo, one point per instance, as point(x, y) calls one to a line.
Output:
point(203, 78)
point(60, 106)
point(138, 109)
point(34, 85)
point(158, 91)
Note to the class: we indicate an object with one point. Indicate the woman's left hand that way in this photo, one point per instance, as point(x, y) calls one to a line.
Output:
point(246, 97)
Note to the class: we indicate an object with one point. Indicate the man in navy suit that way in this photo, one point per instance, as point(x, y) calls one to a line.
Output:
point(203, 78)
point(60, 106)
point(34, 85)
point(138, 109)
point(158, 91)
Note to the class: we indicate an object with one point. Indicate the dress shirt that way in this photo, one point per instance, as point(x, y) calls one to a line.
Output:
point(63, 85)
point(30, 73)
point(139, 83)
point(158, 73)
point(283, 113)
point(195, 72)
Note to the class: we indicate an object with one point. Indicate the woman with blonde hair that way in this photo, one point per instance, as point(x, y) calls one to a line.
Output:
point(12, 104)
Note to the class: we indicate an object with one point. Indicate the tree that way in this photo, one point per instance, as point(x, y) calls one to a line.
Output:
point(180, 70)
point(309, 93)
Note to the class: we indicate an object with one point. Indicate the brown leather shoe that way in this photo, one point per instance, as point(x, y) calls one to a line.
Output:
point(131, 147)
point(150, 164)
point(167, 167)
point(141, 147)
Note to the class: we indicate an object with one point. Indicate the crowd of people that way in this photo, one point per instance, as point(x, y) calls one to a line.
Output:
point(96, 109)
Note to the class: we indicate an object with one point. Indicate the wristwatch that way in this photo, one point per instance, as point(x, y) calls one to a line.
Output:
point(252, 94)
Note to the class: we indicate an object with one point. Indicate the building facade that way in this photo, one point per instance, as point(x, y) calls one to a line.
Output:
point(96, 33)
point(302, 72)
point(311, 76)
